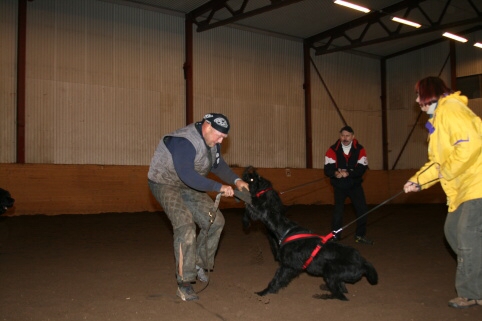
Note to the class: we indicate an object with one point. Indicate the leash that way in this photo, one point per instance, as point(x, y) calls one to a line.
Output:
point(366, 213)
point(303, 185)
point(212, 217)
point(329, 236)
point(325, 238)
point(333, 233)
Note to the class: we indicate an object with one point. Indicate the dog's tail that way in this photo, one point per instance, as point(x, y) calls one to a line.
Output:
point(370, 273)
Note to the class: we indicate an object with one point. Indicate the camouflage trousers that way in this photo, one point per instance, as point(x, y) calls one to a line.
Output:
point(187, 208)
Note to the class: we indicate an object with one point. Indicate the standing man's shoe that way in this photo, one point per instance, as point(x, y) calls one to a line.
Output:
point(363, 240)
point(186, 292)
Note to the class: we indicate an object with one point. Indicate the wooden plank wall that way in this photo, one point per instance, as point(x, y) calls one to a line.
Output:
point(92, 189)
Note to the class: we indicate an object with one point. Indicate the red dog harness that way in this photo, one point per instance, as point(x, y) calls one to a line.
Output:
point(323, 239)
point(263, 191)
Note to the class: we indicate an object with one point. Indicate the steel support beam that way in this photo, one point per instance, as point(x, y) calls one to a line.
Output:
point(21, 79)
point(188, 71)
point(324, 42)
point(308, 118)
point(204, 16)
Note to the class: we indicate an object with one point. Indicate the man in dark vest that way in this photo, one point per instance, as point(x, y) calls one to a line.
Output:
point(177, 179)
point(345, 163)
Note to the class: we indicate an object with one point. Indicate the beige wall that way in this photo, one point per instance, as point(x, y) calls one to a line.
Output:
point(104, 82)
point(90, 189)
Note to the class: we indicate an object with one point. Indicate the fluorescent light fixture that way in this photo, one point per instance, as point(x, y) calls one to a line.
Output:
point(352, 6)
point(454, 37)
point(478, 44)
point(406, 22)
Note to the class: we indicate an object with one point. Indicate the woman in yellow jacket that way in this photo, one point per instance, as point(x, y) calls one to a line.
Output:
point(455, 160)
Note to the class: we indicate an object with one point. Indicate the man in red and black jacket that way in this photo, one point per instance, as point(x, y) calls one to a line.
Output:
point(345, 163)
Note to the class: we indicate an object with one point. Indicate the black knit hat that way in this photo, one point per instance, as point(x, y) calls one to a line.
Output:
point(348, 129)
point(218, 122)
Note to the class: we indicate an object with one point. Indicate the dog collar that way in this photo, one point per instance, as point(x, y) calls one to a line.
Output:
point(282, 238)
point(263, 191)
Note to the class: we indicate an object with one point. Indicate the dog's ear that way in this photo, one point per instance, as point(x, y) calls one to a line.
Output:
point(247, 171)
point(253, 171)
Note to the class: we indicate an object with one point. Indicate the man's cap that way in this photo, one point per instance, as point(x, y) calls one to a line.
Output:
point(218, 122)
point(348, 129)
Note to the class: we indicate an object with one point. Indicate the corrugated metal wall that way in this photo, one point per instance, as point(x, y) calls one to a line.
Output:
point(256, 81)
point(469, 58)
point(8, 79)
point(469, 62)
point(105, 82)
point(402, 74)
point(354, 83)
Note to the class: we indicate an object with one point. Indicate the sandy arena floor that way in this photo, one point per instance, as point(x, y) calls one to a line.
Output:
point(121, 267)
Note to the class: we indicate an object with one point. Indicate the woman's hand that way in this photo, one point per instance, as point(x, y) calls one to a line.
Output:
point(411, 187)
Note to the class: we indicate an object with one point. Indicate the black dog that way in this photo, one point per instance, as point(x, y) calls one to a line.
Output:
point(298, 250)
point(6, 201)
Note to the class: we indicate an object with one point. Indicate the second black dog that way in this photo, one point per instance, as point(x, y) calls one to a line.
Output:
point(6, 201)
point(298, 250)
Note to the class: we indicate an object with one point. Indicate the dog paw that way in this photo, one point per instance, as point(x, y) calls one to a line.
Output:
point(323, 287)
point(262, 293)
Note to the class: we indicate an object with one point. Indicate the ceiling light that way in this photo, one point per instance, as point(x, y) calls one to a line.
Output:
point(406, 22)
point(478, 44)
point(353, 6)
point(454, 37)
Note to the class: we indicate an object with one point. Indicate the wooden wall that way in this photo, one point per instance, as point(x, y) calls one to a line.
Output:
point(91, 189)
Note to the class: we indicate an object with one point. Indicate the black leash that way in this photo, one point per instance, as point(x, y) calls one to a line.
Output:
point(378, 206)
point(333, 233)
point(303, 185)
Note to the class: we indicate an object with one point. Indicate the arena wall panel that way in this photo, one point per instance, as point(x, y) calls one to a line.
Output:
point(93, 189)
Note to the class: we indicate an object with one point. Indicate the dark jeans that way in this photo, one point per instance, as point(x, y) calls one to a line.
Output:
point(357, 197)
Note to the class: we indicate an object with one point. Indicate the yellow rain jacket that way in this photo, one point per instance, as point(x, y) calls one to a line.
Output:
point(454, 150)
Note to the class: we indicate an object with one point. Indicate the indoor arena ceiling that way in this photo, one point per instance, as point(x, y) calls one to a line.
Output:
point(328, 27)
